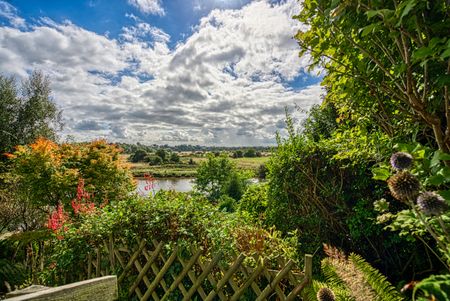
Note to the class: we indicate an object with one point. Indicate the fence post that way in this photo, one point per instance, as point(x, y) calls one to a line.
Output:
point(308, 267)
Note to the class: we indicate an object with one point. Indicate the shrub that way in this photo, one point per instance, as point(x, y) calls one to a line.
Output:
point(254, 201)
point(188, 220)
point(139, 155)
point(218, 176)
point(47, 173)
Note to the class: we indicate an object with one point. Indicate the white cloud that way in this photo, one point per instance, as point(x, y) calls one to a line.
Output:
point(226, 84)
point(9, 12)
point(148, 6)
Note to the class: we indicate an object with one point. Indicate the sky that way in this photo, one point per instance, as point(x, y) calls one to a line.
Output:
point(206, 72)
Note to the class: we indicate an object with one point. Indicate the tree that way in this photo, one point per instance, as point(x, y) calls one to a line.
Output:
point(218, 176)
point(250, 153)
point(47, 173)
point(27, 112)
point(174, 158)
point(238, 154)
point(139, 155)
point(386, 62)
point(161, 153)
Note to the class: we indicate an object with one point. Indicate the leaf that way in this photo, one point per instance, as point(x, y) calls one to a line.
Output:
point(422, 52)
point(368, 29)
point(437, 287)
point(437, 157)
point(445, 194)
point(435, 180)
point(408, 6)
point(381, 173)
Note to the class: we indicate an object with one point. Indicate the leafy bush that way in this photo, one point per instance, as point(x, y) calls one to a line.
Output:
point(325, 191)
point(170, 217)
point(218, 176)
point(254, 201)
point(47, 173)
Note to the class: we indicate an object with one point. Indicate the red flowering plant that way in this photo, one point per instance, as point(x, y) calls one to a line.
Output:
point(82, 205)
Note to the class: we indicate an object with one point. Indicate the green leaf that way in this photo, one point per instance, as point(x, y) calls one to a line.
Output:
point(381, 173)
point(439, 156)
point(436, 287)
point(445, 194)
point(368, 29)
point(422, 52)
point(435, 180)
point(408, 6)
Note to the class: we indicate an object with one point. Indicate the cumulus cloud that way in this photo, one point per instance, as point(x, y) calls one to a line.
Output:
point(9, 12)
point(225, 84)
point(148, 6)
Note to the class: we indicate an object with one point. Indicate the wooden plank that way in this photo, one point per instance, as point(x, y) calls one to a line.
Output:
point(202, 277)
point(253, 284)
point(269, 288)
point(160, 275)
point(89, 265)
point(181, 276)
point(193, 279)
point(97, 289)
point(278, 290)
point(97, 267)
point(248, 282)
point(145, 269)
point(308, 266)
point(212, 280)
point(225, 277)
point(297, 290)
point(132, 259)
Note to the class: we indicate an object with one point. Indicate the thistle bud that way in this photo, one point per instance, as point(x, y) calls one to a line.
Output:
point(404, 186)
point(325, 294)
point(431, 203)
point(401, 160)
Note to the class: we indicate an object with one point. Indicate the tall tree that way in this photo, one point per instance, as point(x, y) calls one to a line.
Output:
point(27, 112)
point(385, 61)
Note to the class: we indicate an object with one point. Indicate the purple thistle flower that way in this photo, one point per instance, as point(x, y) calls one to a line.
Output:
point(431, 203)
point(401, 160)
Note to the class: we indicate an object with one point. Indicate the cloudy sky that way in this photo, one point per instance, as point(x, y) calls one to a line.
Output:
point(208, 72)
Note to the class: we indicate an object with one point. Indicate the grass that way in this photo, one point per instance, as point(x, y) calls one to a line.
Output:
point(184, 169)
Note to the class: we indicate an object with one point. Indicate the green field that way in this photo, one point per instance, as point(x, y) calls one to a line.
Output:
point(184, 169)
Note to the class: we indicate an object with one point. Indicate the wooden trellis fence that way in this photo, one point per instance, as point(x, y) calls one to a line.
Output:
point(150, 272)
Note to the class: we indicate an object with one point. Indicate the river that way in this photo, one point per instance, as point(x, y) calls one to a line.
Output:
point(178, 184)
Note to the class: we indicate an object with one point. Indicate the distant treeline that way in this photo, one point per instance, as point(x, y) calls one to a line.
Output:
point(131, 148)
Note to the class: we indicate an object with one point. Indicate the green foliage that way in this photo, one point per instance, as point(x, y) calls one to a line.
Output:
point(26, 112)
point(324, 190)
point(386, 63)
point(187, 220)
point(262, 172)
point(139, 155)
point(174, 158)
point(321, 122)
point(254, 201)
point(47, 173)
point(428, 166)
point(155, 160)
point(383, 289)
point(162, 154)
point(436, 287)
point(218, 176)
point(250, 153)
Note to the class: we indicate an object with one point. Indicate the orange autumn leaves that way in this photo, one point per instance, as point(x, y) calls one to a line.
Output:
point(48, 173)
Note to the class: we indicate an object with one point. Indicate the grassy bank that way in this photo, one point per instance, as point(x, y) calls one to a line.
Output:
point(184, 169)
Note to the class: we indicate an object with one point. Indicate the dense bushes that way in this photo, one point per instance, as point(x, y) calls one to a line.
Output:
point(317, 189)
point(43, 174)
point(219, 176)
point(48, 173)
point(185, 219)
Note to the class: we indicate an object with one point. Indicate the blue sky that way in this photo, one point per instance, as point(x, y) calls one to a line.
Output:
point(211, 72)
